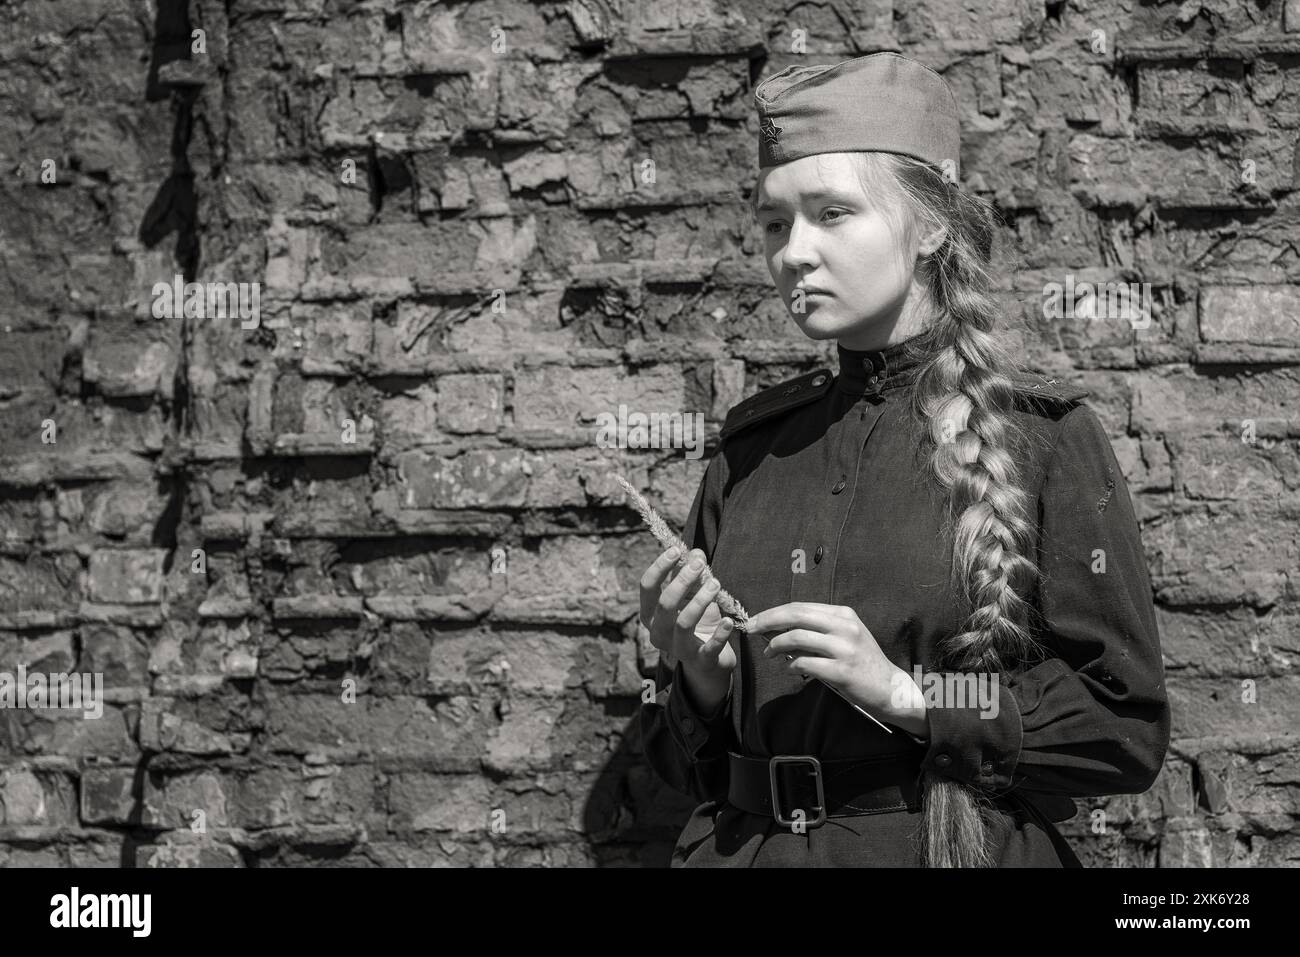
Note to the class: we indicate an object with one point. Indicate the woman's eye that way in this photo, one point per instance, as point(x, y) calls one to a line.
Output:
point(839, 214)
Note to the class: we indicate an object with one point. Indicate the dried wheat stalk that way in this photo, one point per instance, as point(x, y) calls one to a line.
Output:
point(668, 539)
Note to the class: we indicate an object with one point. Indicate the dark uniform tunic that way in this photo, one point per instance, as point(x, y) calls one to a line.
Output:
point(826, 463)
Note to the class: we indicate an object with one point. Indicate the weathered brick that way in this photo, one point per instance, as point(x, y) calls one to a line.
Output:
point(1260, 315)
point(1180, 401)
point(411, 418)
point(1236, 642)
point(106, 851)
point(113, 796)
point(581, 478)
point(555, 397)
point(1052, 88)
point(1199, 88)
point(527, 661)
point(41, 581)
point(1229, 469)
point(195, 802)
point(128, 576)
point(26, 857)
point(551, 806)
point(123, 510)
point(202, 853)
point(524, 740)
point(125, 359)
point(423, 802)
point(562, 566)
point(44, 799)
point(470, 403)
point(474, 479)
point(1206, 707)
point(1123, 170)
point(423, 112)
point(1222, 555)
point(70, 734)
point(30, 360)
point(957, 19)
point(334, 338)
point(119, 653)
point(215, 649)
point(162, 730)
point(450, 733)
point(47, 652)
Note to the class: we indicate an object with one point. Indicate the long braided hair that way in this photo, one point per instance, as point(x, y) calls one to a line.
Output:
point(962, 397)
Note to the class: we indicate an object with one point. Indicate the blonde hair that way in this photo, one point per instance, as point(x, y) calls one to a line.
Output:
point(962, 397)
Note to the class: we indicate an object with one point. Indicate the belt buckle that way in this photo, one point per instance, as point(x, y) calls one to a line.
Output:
point(776, 796)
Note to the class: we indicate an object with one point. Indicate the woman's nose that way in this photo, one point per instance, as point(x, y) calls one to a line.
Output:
point(800, 250)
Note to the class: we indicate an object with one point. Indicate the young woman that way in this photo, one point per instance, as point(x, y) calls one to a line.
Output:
point(952, 631)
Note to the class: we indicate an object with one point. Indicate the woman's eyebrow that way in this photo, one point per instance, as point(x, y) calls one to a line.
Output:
point(815, 194)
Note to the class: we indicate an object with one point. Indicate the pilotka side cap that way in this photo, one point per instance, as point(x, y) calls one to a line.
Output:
point(884, 101)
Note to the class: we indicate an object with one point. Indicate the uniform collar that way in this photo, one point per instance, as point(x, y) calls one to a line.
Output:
point(872, 371)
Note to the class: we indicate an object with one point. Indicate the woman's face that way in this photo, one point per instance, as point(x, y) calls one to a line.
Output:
point(821, 230)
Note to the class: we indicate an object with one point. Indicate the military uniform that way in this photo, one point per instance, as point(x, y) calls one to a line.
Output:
point(815, 493)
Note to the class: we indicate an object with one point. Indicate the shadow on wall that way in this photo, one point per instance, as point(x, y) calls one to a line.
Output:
point(631, 818)
point(174, 208)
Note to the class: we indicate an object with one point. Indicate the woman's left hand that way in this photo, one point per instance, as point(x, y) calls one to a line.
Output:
point(830, 642)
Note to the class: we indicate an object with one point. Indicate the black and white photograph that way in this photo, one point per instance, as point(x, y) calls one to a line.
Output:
point(590, 435)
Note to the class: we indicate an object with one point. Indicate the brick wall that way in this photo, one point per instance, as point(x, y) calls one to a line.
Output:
point(359, 581)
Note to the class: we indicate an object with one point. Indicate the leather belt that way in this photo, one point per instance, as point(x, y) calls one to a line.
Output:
point(792, 788)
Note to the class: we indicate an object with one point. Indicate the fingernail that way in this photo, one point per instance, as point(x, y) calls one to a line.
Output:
point(696, 564)
point(728, 624)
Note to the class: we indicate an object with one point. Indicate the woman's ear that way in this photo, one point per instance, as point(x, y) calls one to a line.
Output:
point(931, 241)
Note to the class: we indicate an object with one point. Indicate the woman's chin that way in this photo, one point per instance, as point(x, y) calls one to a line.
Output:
point(819, 326)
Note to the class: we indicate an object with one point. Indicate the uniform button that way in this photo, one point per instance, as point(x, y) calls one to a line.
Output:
point(688, 725)
point(874, 379)
point(817, 555)
point(987, 767)
point(943, 760)
point(837, 487)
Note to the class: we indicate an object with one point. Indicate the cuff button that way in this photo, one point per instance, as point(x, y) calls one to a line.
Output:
point(943, 760)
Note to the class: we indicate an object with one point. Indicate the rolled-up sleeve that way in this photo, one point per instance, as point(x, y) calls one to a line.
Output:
point(1092, 718)
point(686, 746)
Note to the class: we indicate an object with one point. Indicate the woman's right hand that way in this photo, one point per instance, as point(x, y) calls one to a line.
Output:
point(671, 610)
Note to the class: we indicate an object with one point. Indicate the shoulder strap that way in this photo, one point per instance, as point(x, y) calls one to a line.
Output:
point(776, 400)
point(1044, 392)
